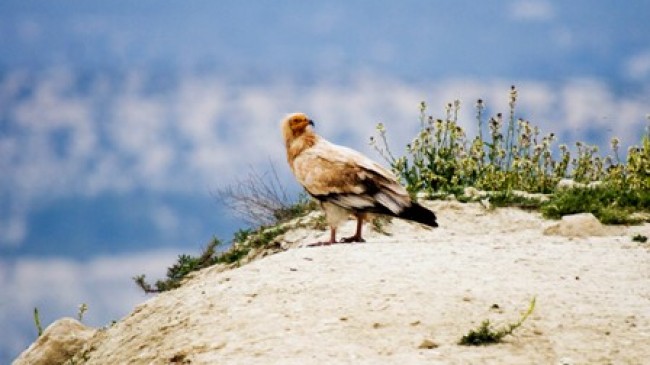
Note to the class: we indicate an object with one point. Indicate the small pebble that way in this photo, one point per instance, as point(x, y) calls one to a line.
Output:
point(428, 344)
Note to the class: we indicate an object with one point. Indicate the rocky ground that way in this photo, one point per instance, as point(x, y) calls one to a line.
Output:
point(405, 297)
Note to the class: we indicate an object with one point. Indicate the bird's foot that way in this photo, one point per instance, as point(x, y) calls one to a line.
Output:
point(355, 238)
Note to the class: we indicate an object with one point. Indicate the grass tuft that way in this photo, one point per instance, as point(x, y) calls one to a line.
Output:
point(81, 311)
point(37, 322)
point(184, 265)
point(487, 335)
point(609, 204)
point(244, 242)
point(261, 199)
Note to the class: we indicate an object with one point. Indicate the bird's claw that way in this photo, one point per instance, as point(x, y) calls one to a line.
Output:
point(352, 239)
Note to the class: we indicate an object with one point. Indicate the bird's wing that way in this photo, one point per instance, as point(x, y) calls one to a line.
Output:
point(348, 179)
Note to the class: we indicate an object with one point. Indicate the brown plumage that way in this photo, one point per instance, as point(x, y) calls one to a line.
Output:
point(345, 181)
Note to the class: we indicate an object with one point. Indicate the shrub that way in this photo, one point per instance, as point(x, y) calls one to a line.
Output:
point(260, 199)
point(513, 155)
point(609, 204)
point(243, 243)
point(177, 272)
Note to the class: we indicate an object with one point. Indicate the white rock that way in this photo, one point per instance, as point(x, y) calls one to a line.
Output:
point(473, 192)
point(58, 343)
point(577, 225)
point(594, 184)
point(566, 184)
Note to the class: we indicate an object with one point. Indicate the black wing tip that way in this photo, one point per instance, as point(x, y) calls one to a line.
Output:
point(420, 214)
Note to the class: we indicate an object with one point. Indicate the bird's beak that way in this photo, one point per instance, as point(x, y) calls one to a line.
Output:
point(311, 122)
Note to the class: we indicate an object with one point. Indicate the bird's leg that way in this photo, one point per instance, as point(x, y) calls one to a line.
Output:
point(330, 242)
point(332, 236)
point(357, 236)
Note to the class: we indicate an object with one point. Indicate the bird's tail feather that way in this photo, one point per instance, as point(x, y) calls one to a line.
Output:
point(419, 214)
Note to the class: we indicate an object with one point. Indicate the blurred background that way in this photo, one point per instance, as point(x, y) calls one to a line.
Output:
point(119, 120)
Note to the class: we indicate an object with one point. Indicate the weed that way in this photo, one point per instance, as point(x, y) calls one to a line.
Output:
point(303, 205)
point(83, 308)
point(512, 199)
point(514, 155)
point(609, 204)
point(80, 357)
point(242, 235)
point(260, 199)
point(379, 224)
point(244, 242)
point(185, 265)
point(319, 222)
point(486, 335)
point(37, 322)
point(639, 238)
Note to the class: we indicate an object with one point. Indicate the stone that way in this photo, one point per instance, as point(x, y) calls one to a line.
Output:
point(427, 344)
point(59, 342)
point(577, 225)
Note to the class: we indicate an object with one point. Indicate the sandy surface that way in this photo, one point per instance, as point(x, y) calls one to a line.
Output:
point(376, 303)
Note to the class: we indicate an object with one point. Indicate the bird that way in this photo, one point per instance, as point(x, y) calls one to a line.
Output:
point(344, 181)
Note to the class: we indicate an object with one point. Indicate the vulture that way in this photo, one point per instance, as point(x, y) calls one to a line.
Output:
point(344, 181)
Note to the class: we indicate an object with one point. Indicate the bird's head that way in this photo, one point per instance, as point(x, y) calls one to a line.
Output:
point(296, 125)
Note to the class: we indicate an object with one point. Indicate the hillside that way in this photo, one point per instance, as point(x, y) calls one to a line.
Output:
point(405, 297)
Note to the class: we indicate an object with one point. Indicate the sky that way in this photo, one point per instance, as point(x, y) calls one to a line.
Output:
point(120, 120)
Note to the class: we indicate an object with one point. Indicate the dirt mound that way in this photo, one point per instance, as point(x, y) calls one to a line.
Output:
point(406, 297)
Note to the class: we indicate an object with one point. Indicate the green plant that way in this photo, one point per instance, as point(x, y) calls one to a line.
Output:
point(300, 207)
point(243, 243)
point(514, 155)
point(83, 308)
point(486, 335)
point(242, 235)
point(639, 238)
point(319, 222)
point(80, 357)
point(260, 199)
point(510, 154)
point(609, 204)
point(37, 322)
point(442, 158)
point(510, 199)
point(185, 265)
point(379, 224)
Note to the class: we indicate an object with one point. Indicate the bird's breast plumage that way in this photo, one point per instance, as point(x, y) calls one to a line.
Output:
point(345, 177)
